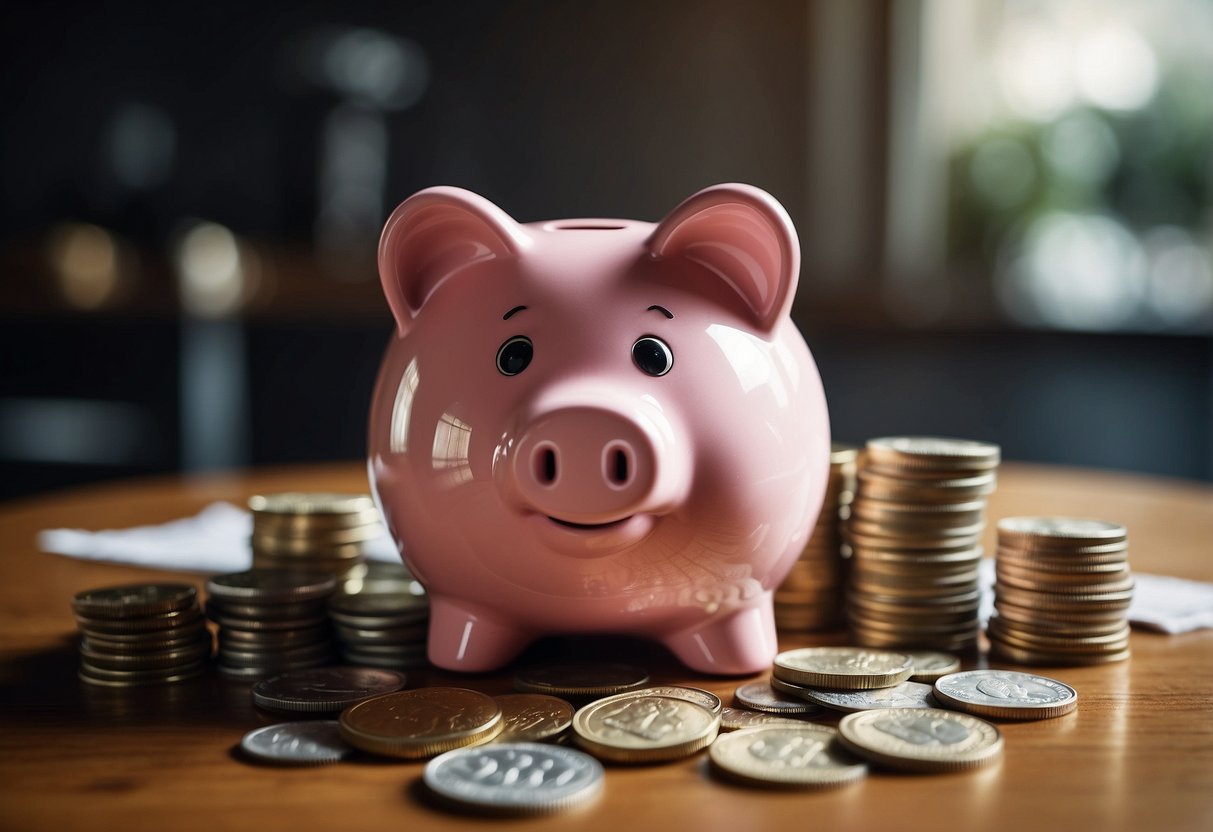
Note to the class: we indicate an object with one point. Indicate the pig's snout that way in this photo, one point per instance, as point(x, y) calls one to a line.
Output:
point(589, 464)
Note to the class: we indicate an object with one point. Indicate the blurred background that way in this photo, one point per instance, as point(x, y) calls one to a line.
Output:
point(1005, 206)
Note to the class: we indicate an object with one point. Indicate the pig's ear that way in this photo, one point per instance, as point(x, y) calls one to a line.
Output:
point(434, 234)
point(737, 235)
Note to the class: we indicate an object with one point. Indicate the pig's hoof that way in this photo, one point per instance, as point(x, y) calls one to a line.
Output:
point(741, 643)
point(470, 639)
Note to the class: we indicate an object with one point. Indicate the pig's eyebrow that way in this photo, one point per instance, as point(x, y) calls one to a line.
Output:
point(512, 312)
point(661, 309)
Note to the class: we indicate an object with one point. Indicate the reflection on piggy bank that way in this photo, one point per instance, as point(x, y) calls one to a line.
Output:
point(597, 426)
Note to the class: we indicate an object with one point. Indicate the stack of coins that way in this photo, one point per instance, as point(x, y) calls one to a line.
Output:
point(324, 532)
point(382, 619)
point(271, 621)
point(141, 634)
point(1062, 591)
point(811, 596)
point(917, 517)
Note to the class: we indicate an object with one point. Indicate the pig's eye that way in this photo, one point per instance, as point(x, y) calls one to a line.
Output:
point(514, 355)
point(652, 355)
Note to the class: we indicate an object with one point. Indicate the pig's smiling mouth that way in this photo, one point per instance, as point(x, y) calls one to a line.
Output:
point(590, 527)
point(592, 540)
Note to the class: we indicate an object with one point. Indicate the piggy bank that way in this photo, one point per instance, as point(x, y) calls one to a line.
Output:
point(597, 425)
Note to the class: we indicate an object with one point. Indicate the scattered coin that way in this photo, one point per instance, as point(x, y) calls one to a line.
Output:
point(297, 743)
point(516, 778)
point(703, 698)
point(580, 680)
point(324, 689)
point(644, 729)
point(734, 719)
point(852, 668)
point(1006, 694)
point(905, 695)
point(533, 717)
point(763, 696)
point(804, 756)
point(929, 665)
point(921, 740)
point(414, 724)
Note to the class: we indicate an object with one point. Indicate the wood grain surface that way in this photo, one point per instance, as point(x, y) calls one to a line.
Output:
point(1137, 754)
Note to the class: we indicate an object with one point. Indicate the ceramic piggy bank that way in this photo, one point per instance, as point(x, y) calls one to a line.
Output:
point(597, 425)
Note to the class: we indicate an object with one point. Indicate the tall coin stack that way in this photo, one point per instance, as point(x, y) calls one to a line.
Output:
point(811, 596)
point(382, 620)
point(271, 621)
point(141, 634)
point(917, 517)
point(1061, 592)
point(313, 531)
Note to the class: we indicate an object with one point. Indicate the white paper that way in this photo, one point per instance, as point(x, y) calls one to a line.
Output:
point(214, 541)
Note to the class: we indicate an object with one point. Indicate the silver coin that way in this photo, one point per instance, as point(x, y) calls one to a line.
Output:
point(515, 778)
point(297, 743)
point(905, 695)
point(734, 719)
point(930, 665)
point(1063, 527)
point(760, 696)
point(1008, 694)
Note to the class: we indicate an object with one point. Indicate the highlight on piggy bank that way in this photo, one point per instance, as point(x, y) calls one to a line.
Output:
point(597, 425)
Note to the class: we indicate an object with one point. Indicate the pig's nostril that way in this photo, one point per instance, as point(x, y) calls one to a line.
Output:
point(545, 465)
point(618, 465)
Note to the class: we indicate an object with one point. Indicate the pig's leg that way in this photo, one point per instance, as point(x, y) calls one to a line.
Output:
point(740, 642)
point(471, 639)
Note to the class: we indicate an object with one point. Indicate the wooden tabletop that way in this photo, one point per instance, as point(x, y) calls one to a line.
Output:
point(1137, 754)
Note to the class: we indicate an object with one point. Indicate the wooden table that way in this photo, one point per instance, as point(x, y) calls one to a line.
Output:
point(1137, 754)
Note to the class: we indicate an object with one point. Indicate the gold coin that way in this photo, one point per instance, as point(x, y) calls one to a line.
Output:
point(419, 723)
point(851, 668)
point(921, 739)
point(644, 729)
point(802, 756)
point(533, 717)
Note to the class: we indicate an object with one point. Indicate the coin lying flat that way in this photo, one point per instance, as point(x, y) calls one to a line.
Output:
point(806, 756)
point(911, 739)
point(765, 697)
point(929, 665)
point(580, 680)
point(703, 698)
point(852, 668)
point(297, 743)
point(905, 695)
point(515, 778)
point(644, 729)
point(1007, 694)
point(324, 689)
point(419, 723)
point(293, 502)
point(533, 717)
point(734, 719)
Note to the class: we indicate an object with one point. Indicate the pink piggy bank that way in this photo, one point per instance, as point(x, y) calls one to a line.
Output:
point(597, 426)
